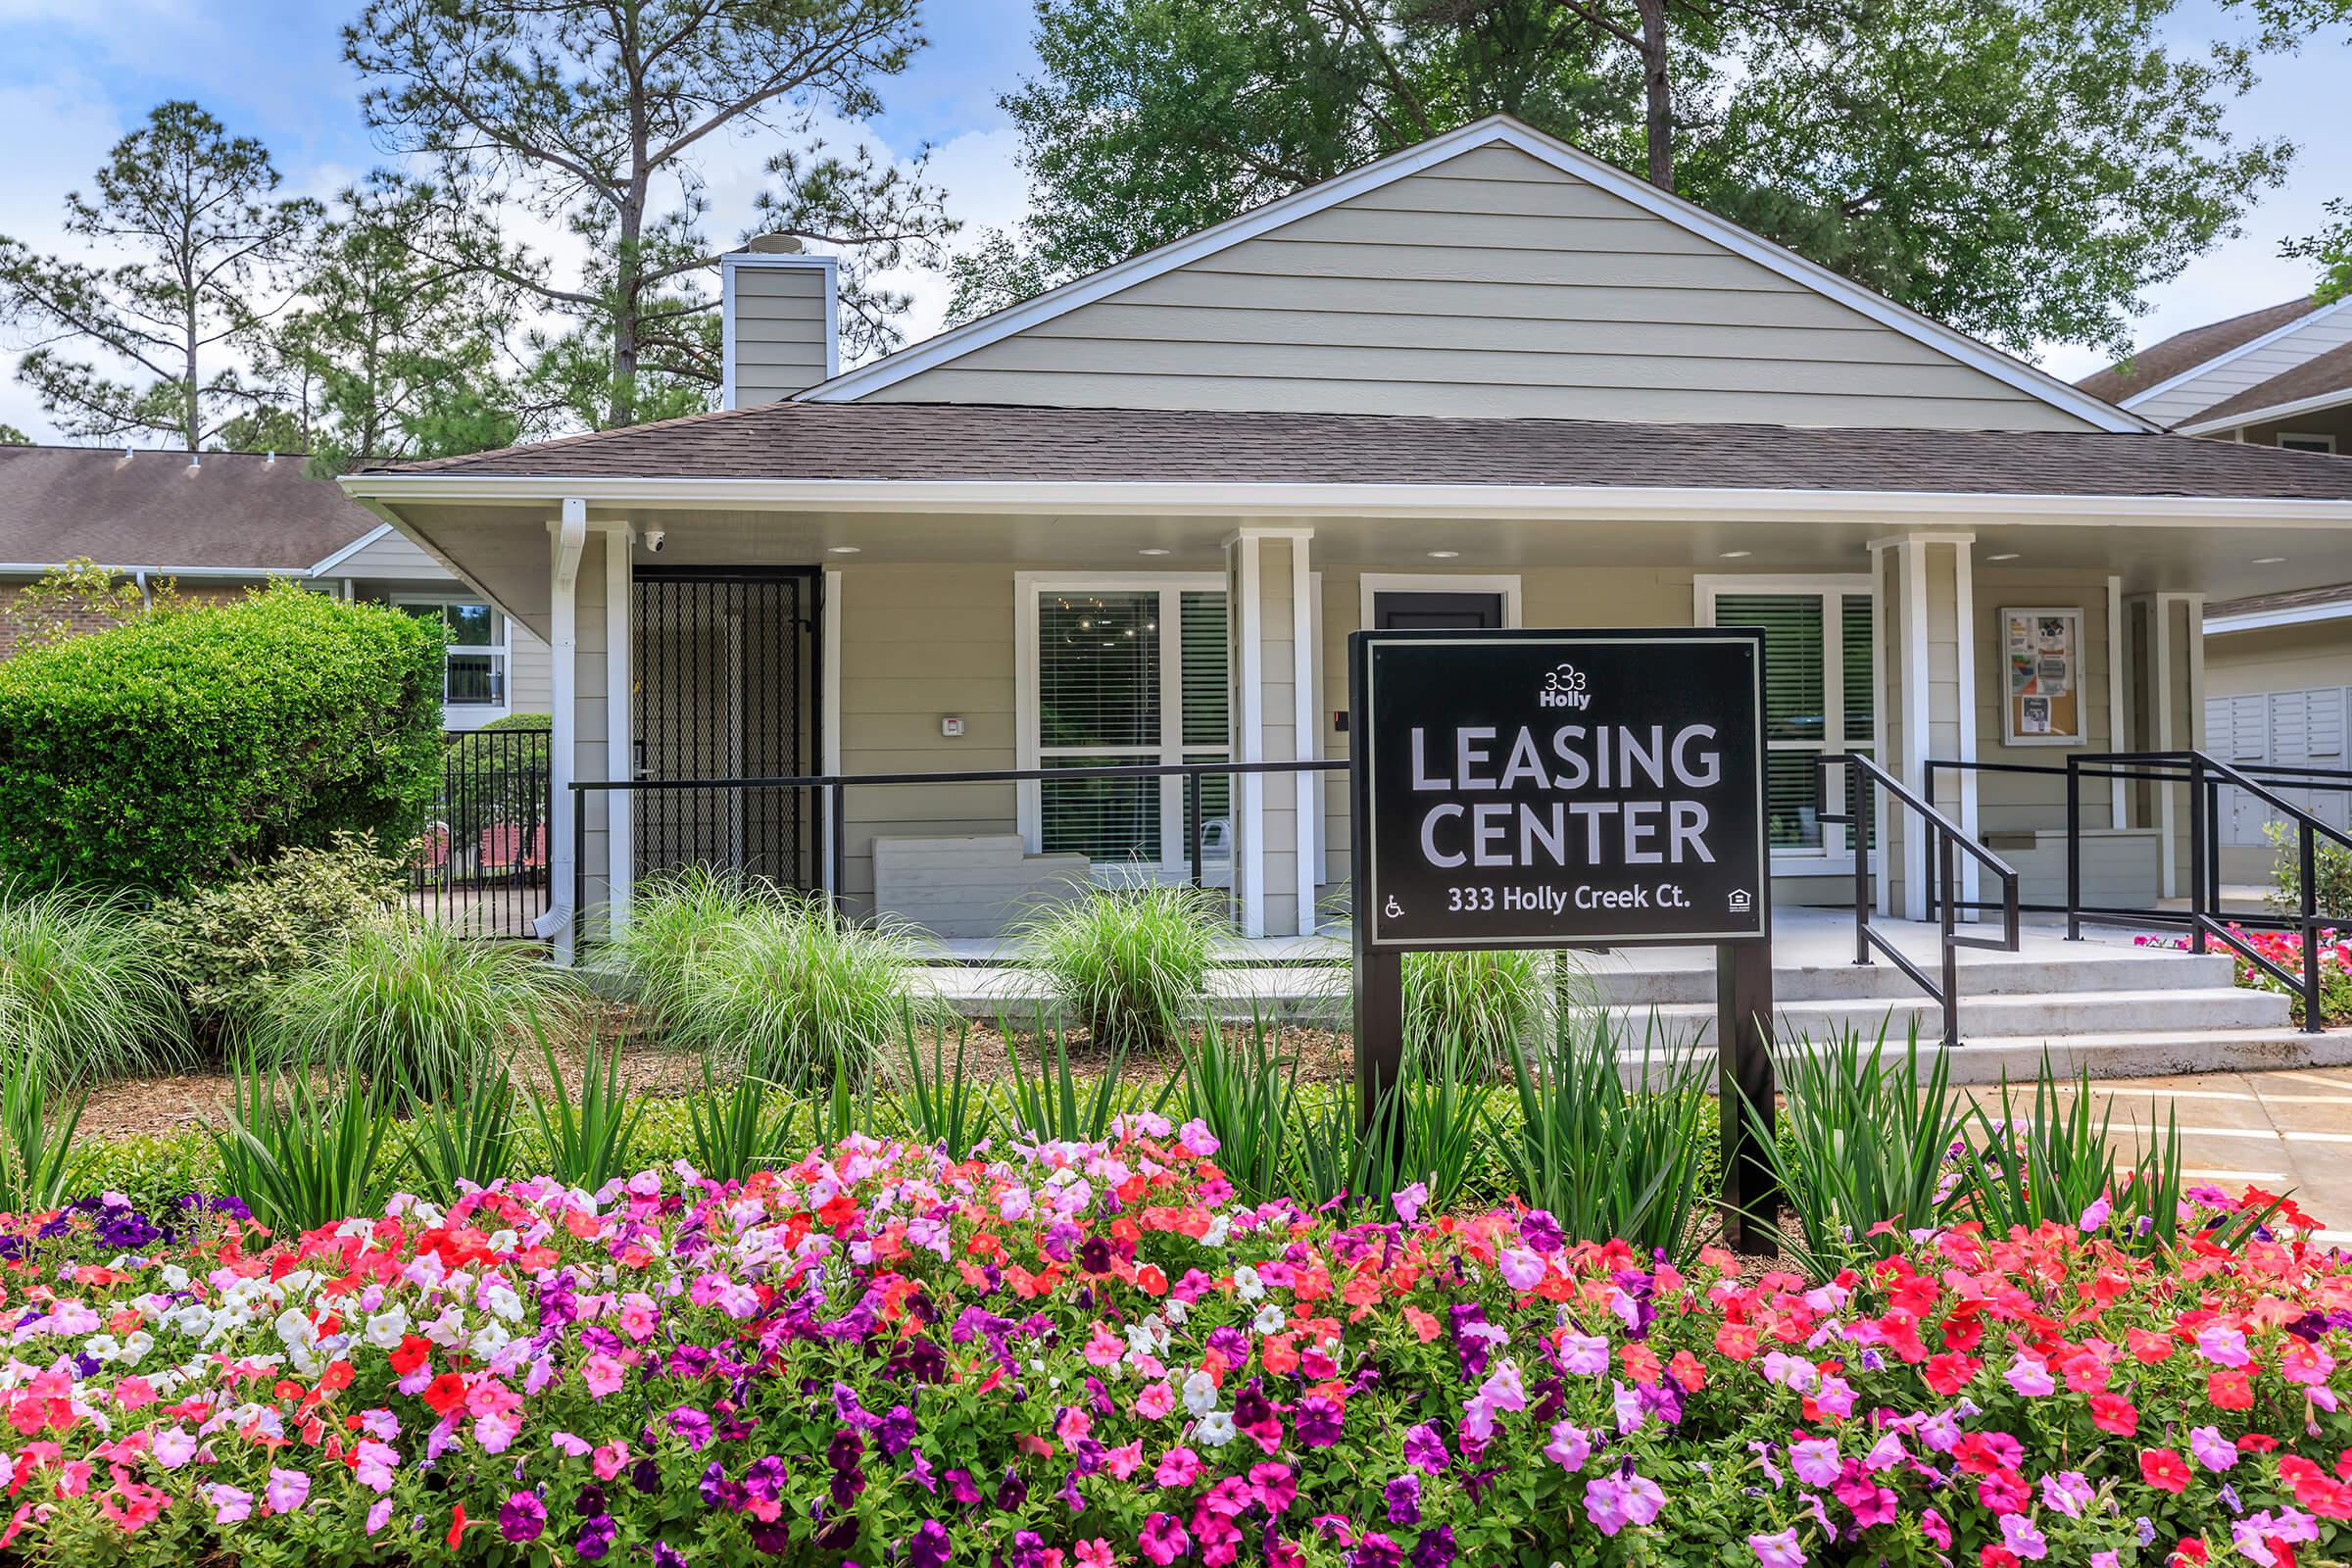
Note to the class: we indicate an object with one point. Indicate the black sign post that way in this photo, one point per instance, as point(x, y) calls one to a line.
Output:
point(1555, 789)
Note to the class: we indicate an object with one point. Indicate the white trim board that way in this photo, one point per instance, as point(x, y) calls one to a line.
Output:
point(2202, 367)
point(1493, 128)
point(2264, 619)
point(2319, 403)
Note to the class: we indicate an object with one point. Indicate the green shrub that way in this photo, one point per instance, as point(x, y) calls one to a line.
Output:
point(82, 983)
point(39, 1163)
point(227, 946)
point(1130, 964)
point(2331, 881)
point(175, 748)
point(153, 1170)
point(768, 977)
point(407, 1004)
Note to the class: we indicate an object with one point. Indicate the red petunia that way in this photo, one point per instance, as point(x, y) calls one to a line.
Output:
point(1947, 1374)
point(2230, 1390)
point(445, 1393)
point(412, 1354)
point(2163, 1470)
point(2112, 1412)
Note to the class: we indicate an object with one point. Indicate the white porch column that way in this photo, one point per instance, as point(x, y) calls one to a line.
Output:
point(569, 537)
point(2164, 649)
point(1925, 670)
point(1269, 588)
point(621, 807)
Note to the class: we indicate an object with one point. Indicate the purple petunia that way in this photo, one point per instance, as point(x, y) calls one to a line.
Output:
point(521, 1517)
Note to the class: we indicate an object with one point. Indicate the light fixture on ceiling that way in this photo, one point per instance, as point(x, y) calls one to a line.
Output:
point(1734, 555)
point(1444, 555)
point(1152, 552)
point(2269, 561)
point(842, 550)
point(2006, 554)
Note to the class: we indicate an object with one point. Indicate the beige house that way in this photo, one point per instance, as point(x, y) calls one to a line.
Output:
point(2277, 665)
point(228, 521)
point(1488, 380)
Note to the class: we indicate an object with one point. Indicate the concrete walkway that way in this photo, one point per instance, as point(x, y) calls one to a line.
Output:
point(2285, 1132)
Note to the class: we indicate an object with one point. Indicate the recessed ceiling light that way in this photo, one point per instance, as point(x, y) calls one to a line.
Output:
point(842, 550)
point(1150, 552)
point(2269, 561)
point(2006, 554)
point(1734, 555)
point(1444, 555)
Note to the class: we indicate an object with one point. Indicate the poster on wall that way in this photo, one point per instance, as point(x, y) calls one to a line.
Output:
point(2043, 657)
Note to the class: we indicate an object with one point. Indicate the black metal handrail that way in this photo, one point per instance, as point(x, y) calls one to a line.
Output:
point(837, 786)
point(1949, 841)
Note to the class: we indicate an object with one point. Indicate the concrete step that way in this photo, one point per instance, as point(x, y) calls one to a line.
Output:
point(2152, 1053)
point(2097, 970)
point(2055, 1017)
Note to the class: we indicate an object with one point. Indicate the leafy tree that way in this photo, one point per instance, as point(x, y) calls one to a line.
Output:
point(2286, 23)
point(2331, 248)
point(11, 436)
point(2022, 168)
point(595, 112)
point(211, 254)
point(393, 356)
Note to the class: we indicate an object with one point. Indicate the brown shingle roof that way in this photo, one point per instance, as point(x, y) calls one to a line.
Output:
point(234, 509)
point(2295, 599)
point(936, 441)
point(2160, 361)
point(2315, 377)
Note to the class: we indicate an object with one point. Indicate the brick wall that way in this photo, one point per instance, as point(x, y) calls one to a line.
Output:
point(14, 622)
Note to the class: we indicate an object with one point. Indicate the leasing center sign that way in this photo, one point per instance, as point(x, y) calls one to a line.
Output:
point(1538, 788)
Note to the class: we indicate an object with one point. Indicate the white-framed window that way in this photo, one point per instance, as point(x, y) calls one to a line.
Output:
point(1818, 693)
point(475, 671)
point(2306, 443)
point(1116, 671)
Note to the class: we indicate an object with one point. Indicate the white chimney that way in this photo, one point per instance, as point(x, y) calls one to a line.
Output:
point(780, 310)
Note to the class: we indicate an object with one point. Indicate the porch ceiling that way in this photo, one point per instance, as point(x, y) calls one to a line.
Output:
point(504, 547)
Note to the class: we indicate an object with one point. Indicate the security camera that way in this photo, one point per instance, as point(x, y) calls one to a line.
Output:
point(653, 538)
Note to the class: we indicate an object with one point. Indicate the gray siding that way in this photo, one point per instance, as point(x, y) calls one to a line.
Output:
point(1491, 284)
point(782, 318)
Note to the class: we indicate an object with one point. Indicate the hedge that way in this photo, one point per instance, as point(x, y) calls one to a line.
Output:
point(180, 746)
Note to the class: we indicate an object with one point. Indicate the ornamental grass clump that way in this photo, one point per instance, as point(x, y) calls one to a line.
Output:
point(81, 984)
point(1129, 965)
point(409, 1005)
point(1484, 1005)
point(771, 980)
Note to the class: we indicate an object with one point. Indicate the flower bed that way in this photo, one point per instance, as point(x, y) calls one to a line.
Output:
point(1073, 1356)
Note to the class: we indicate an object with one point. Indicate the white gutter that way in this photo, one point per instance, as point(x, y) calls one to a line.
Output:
point(2263, 619)
point(1531, 501)
point(38, 568)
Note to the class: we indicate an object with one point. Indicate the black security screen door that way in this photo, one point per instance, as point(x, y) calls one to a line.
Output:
point(727, 685)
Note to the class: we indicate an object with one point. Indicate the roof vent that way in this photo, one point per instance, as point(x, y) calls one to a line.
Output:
point(774, 244)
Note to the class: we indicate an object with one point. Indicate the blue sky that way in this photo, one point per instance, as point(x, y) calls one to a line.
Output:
point(74, 77)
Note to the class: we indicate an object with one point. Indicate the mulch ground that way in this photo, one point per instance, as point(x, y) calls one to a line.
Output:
point(200, 1096)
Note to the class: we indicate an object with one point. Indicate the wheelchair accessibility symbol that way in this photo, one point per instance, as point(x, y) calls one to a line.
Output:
point(1392, 909)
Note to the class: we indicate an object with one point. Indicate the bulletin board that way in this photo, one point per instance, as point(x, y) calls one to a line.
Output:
point(2043, 703)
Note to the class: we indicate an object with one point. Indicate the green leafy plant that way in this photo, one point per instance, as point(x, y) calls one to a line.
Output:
point(941, 1106)
point(228, 944)
point(1607, 1159)
point(1442, 1127)
point(770, 977)
point(467, 1138)
point(1128, 964)
point(409, 1005)
point(82, 984)
point(587, 1143)
point(736, 1131)
point(1865, 1146)
point(175, 749)
point(39, 1163)
point(1058, 1104)
point(1239, 1084)
point(302, 1157)
point(2332, 882)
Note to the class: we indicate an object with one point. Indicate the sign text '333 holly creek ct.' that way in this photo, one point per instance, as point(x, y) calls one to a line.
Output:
point(1535, 789)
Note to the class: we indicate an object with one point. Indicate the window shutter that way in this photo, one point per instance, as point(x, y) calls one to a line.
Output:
point(1794, 681)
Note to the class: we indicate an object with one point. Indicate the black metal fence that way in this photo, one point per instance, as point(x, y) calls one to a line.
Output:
point(482, 863)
